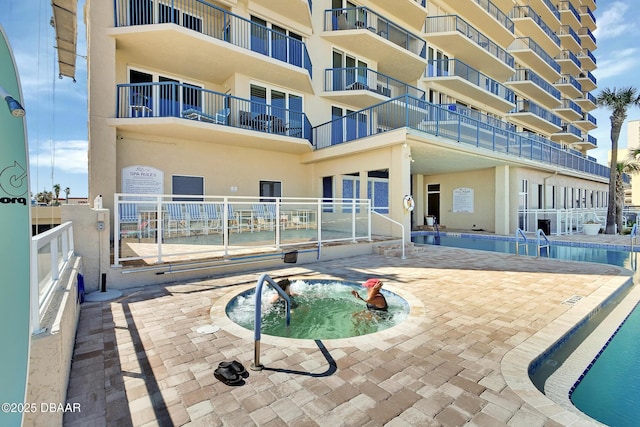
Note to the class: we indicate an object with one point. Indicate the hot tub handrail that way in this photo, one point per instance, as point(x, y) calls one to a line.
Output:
point(257, 324)
point(634, 235)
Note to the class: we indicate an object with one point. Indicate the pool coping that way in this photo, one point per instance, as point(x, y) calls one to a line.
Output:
point(515, 364)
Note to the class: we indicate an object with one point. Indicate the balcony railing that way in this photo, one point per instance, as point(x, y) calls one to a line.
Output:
point(525, 74)
point(215, 22)
point(567, 54)
point(568, 79)
point(448, 23)
point(566, 29)
point(587, 53)
point(172, 99)
point(569, 128)
point(363, 78)
point(569, 104)
point(566, 5)
point(552, 8)
point(528, 12)
point(584, 31)
point(528, 43)
point(528, 106)
point(497, 14)
point(584, 10)
point(452, 124)
point(362, 18)
point(455, 67)
point(592, 140)
point(590, 118)
point(587, 75)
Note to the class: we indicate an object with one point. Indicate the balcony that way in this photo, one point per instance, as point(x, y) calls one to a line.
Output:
point(485, 14)
point(454, 35)
point(587, 81)
point(587, 60)
point(215, 43)
point(453, 75)
point(298, 11)
point(548, 12)
point(528, 52)
point(591, 4)
point(569, 86)
point(527, 21)
point(587, 101)
point(569, 39)
point(401, 54)
point(531, 85)
point(587, 19)
point(587, 122)
point(587, 39)
point(461, 129)
point(185, 112)
point(569, 15)
point(568, 110)
point(569, 63)
point(362, 87)
point(532, 116)
point(569, 134)
point(413, 12)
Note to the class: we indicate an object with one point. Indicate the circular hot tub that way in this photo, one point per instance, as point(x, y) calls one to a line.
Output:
point(322, 309)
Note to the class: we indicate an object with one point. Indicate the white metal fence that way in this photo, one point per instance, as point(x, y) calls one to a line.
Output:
point(568, 221)
point(159, 228)
point(50, 253)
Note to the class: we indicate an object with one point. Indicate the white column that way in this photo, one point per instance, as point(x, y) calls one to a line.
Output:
point(502, 200)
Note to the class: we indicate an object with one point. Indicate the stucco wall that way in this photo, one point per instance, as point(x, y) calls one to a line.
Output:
point(51, 351)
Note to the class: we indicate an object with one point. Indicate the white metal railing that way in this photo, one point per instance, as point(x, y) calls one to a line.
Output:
point(158, 228)
point(520, 234)
point(542, 242)
point(397, 223)
point(50, 253)
point(561, 221)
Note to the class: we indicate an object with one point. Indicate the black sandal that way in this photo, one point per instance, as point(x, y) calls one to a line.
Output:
point(236, 367)
point(227, 376)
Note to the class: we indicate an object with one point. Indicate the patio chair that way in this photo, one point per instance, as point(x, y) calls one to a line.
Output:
point(213, 217)
point(176, 219)
point(196, 217)
point(129, 218)
point(261, 217)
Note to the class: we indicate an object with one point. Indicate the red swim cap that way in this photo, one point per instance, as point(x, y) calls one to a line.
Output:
point(371, 283)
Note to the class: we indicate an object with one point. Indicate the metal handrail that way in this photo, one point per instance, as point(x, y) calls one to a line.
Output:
point(634, 235)
point(518, 244)
point(395, 222)
point(540, 234)
point(257, 324)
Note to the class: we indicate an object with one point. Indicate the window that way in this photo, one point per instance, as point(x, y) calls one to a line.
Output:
point(274, 102)
point(275, 41)
point(327, 193)
point(350, 190)
point(141, 12)
point(169, 98)
point(269, 190)
point(187, 185)
point(349, 72)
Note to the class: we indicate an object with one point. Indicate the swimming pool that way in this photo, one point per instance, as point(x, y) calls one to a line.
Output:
point(609, 391)
point(567, 251)
point(322, 309)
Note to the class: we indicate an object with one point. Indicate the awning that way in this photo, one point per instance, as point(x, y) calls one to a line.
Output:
point(65, 23)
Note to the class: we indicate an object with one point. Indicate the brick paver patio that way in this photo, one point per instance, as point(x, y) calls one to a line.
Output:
point(458, 359)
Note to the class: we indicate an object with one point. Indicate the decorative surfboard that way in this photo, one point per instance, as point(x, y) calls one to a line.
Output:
point(15, 229)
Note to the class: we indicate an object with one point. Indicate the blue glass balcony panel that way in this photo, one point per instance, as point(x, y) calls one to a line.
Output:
point(363, 78)
point(171, 99)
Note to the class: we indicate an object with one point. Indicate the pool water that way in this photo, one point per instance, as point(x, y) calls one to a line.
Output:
point(609, 390)
point(615, 257)
point(322, 309)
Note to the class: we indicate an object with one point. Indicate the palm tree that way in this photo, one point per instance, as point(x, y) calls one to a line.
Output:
point(44, 197)
point(56, 190)
point(629, 166)
point(618, 101)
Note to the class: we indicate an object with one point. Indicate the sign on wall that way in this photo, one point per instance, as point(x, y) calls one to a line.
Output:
point(142, 180)
point(463, 200)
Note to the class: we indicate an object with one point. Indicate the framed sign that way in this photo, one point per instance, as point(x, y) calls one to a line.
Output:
point(463, 200)
point(142, 180)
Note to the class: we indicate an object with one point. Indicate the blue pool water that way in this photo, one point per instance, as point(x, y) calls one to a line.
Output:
point(601, 255)
point(610, 390)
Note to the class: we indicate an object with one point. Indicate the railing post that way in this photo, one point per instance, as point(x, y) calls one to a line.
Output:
point(353, 220)
point(35, 290)
point(159, 227)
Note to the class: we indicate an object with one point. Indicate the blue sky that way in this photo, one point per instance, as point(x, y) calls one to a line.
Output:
point(57, 108)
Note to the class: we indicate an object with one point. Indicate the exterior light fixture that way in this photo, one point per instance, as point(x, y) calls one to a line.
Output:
point(14, 106)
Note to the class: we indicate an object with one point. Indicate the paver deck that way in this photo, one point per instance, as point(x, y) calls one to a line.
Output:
point(477, 319)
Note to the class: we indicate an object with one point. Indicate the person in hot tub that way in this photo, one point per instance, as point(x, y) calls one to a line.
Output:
point(285, 285)
point(375, 300)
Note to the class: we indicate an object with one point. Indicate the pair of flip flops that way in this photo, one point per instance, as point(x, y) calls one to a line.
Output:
point(231, 373)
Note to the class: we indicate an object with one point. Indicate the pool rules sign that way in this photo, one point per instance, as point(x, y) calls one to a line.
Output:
point(15, 228)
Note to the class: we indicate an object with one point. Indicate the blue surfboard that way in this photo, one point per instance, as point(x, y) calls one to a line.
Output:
point(15, 232)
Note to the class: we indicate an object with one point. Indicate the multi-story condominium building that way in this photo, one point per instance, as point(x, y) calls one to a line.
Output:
point(478, 108)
